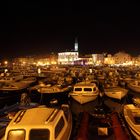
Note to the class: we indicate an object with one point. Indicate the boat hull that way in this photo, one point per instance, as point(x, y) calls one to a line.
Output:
point(82, 99)
point(116, 93)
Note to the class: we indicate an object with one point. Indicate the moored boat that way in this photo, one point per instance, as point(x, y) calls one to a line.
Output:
point(11, 92)
point(134, 86)
point(116, 92)
point(132, 116)
point(51, 123)
point(45, 93)
point(84, 92)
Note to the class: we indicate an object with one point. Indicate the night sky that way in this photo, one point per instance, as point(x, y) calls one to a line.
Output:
point(39, 28)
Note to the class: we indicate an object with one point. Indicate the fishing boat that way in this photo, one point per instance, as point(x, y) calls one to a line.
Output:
point(84, 92)
point(116, 92)
point(132, 116)
point(42, 123)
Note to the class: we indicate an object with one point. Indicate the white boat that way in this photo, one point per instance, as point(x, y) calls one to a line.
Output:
point(116, 92)
point(134, 86)
point(41, 123)
point(132, 117)
point(84, 92)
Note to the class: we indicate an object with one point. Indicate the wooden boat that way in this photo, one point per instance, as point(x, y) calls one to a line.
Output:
point(132, 116)
point(116, 92)
point(84, 92)
point(134, 86)
point(41, 123)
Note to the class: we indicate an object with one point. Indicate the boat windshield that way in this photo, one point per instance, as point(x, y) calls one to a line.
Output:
point(87, 89)
point(78, 89)
point(39, 134)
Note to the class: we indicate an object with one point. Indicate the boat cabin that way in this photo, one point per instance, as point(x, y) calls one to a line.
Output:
point(40, 123)
point(85, 88)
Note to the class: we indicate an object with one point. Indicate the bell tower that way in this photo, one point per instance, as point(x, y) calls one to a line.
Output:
point(76, 45)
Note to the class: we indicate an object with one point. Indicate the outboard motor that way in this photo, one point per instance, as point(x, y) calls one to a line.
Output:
point(25, 99)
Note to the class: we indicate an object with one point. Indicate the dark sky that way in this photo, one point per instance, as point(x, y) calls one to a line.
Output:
point(35, 28)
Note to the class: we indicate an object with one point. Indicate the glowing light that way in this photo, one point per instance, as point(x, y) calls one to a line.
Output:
point(39, 70)
point(5, 62)
point(5, 70)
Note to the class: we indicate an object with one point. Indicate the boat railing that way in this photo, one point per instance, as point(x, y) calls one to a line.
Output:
point(52, 116)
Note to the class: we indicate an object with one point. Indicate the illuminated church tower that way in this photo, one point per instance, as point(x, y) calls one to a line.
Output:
point(76, 45)
point(69, 58)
